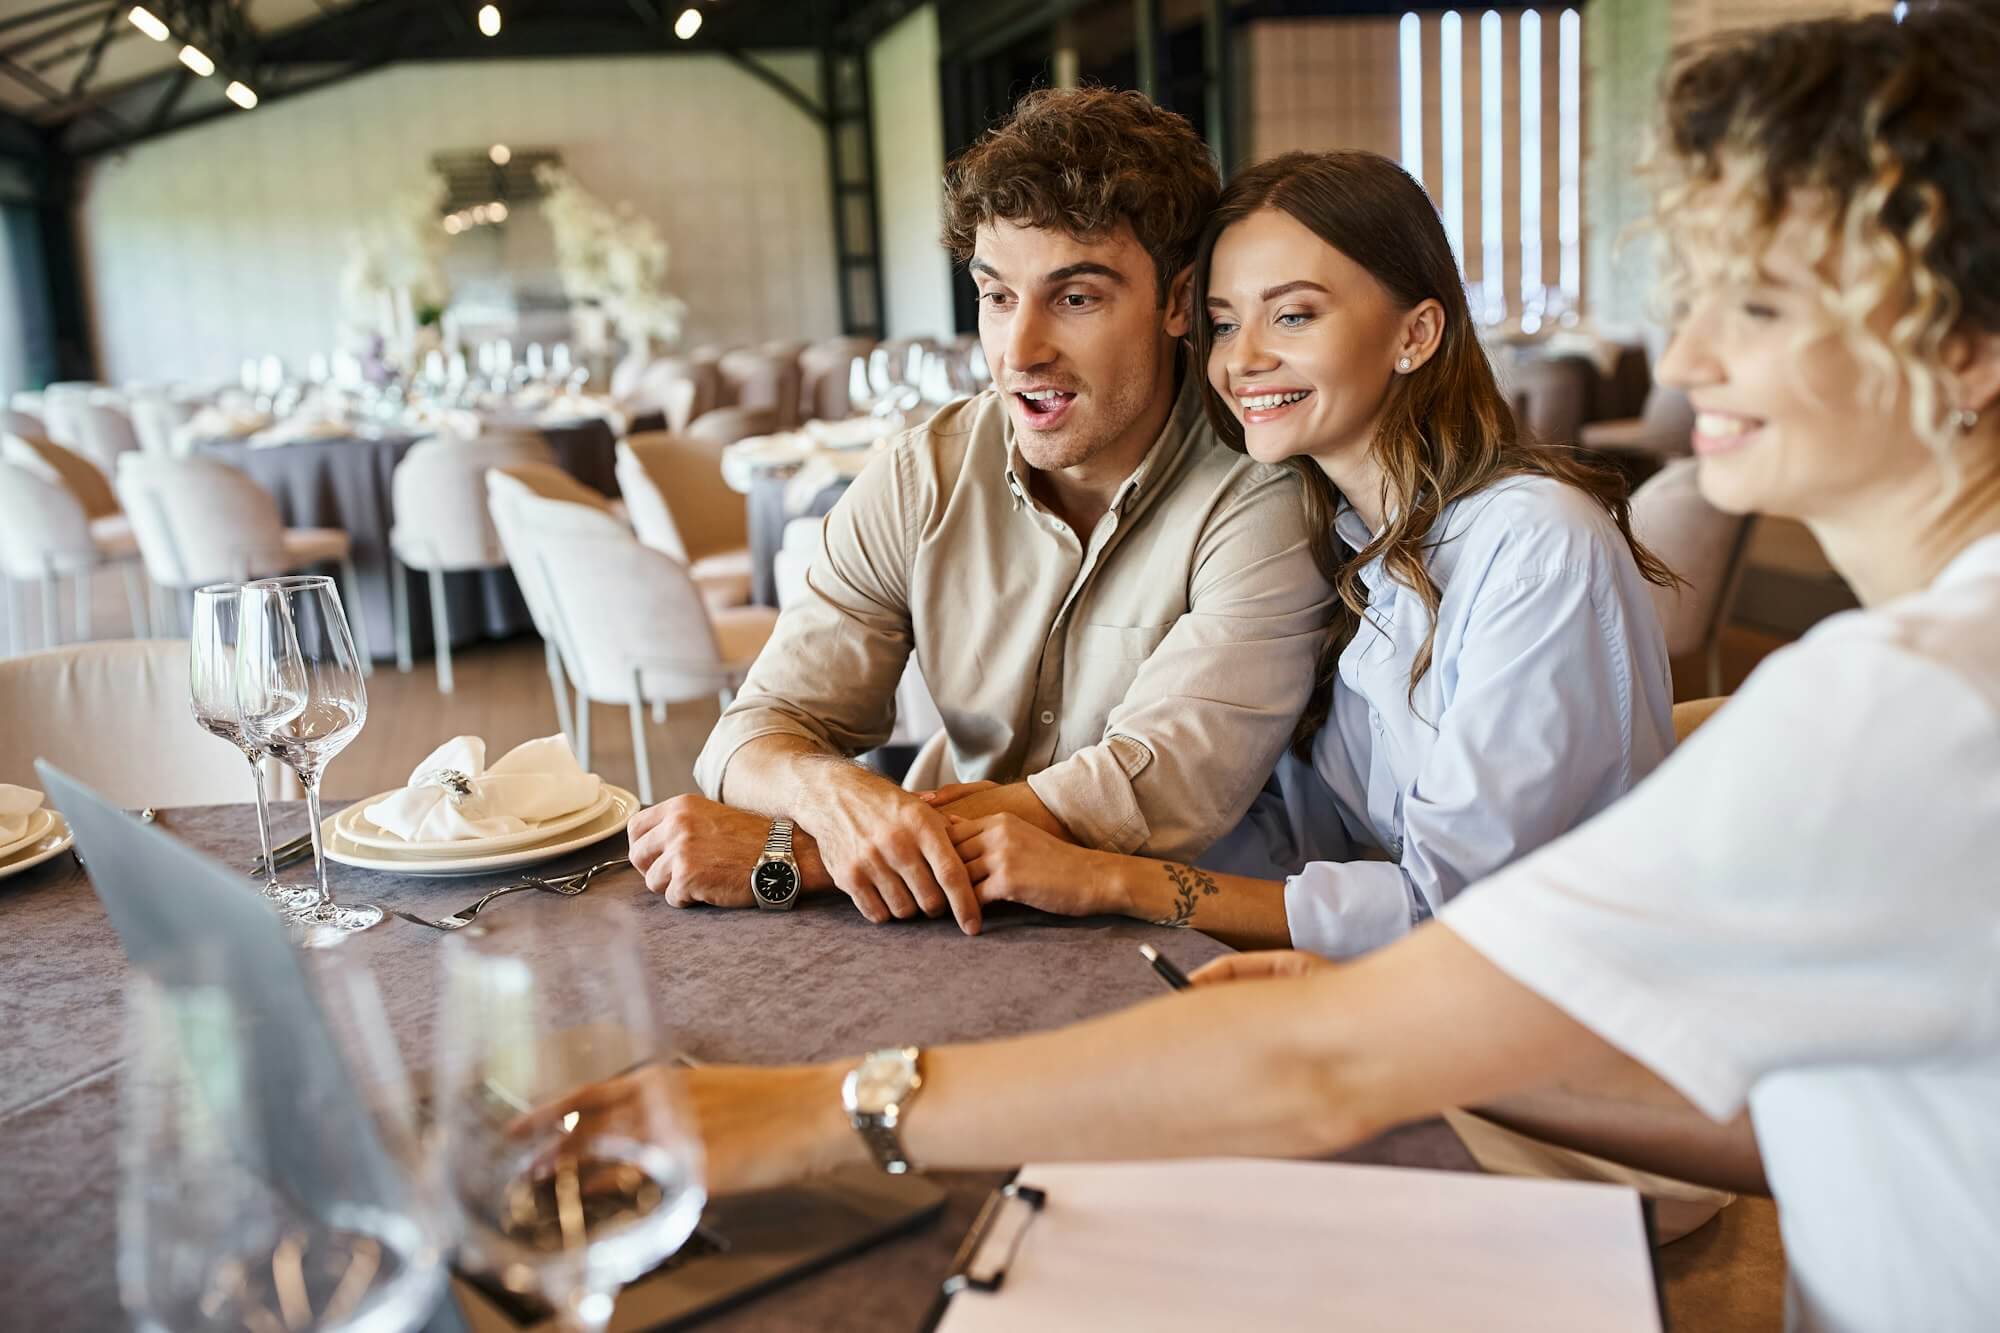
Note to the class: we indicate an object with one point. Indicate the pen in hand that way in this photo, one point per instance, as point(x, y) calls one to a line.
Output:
point(1170, 974)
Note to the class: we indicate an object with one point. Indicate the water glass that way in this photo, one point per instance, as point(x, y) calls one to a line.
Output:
point(569, 1154)
point(300, 696)
point(212, 695)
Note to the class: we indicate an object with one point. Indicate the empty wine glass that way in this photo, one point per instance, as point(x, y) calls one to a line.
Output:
point(212, 652)
point(268, 1180)
point(572, 1161)
point(300, 695)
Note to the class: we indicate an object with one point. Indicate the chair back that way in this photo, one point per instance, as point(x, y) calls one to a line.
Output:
point(14, 422)
point(42, 527)
point(105, 433)
point(115, 716)
point(619, 606)
point(155, 420)
point(1699, 542)
point(506, 488)
point(727, 425)
point(62, 412)
point(760, 380)
point(1669, 419)
point(703, 516)
point(677, 389)
point(199, 521)
point(81, 477)
point(438, 494)
point(797, 549)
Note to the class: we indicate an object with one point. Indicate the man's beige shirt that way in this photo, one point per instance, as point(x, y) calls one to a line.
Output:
point(1143, 679)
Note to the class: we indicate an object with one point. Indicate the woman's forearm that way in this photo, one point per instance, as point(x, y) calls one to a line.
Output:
point(1240, 911)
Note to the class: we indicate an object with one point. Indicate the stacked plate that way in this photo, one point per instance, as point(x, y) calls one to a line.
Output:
point(46, 836)
point(352, 840)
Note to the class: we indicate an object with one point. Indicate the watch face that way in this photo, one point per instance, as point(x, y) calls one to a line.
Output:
point(774, 882)
point(882, 1080)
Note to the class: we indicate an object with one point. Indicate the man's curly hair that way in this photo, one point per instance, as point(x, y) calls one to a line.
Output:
point(1085, 160)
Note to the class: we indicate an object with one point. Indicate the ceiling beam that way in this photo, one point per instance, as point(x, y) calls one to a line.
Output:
point(35, 16)
point(91, 61)
point(47, 35)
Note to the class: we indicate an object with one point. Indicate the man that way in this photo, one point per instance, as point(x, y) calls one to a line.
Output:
point(1117, 616)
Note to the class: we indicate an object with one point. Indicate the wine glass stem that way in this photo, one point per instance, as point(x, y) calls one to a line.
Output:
point(310, 781)
point(263, 819)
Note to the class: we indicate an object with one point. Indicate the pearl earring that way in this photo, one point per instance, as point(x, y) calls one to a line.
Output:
point(1403, 364)
point(1967, 419)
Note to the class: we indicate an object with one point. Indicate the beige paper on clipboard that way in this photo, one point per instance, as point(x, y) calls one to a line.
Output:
point(1257, 1245)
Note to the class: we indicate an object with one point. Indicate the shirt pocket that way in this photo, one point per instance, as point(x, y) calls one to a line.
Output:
point(1123, 643)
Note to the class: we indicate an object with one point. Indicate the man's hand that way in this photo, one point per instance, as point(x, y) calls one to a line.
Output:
point(694, 850)
point(887, 850)
point(1010, 860)
point(1267, 965)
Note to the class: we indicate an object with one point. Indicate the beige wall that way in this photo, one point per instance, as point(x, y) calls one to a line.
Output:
point(909, 177)
point(228, 240)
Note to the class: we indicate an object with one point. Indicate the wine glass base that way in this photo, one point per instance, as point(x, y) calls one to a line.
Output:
point(325, 926)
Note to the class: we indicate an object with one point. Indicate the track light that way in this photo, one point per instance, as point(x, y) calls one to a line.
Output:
point(241, 94)
point(197, 62)
point(688, 24)
point(489, 20)
point(149, 23)
point(500, 154)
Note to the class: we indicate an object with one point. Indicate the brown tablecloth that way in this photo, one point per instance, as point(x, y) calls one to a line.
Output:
point(744, 986)
point(345, 483)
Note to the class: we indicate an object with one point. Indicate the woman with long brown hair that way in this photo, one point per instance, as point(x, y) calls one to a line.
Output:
point(1497, 672)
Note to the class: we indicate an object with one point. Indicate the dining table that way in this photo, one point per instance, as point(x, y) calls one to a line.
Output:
point(345, 482)
point(815, 984)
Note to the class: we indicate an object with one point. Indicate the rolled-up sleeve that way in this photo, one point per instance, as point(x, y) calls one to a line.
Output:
point(1193, 738)
point(830, 670)
point(1535, 738)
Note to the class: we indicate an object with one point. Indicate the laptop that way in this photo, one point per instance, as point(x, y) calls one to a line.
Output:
point(174, 908)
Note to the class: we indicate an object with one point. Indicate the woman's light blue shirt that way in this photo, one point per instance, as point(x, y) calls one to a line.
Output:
point(1547, 698)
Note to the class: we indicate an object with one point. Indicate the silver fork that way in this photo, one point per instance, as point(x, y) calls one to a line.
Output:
point(567, 886)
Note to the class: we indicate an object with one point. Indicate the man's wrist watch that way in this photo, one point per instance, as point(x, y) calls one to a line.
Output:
point(876, 1094)
point(774, 880)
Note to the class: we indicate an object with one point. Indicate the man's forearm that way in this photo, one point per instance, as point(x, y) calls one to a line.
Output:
point(1015, 798)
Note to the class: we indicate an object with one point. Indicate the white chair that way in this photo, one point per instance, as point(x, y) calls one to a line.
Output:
point(763, 379)
point(115, 715)
point(680, 506)
point(155, 420)
point(199, 521)
point(1703, 545)
point(917, 715)
point(505, 488)
point(438, 494)
point(105, 433)
point(727, 425)
point(15, 422)
point(45, 537)
point(633, 626)
point(676, 389)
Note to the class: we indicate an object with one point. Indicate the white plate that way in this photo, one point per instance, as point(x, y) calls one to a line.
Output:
point(40, 821)
point(355, 826)
point(347, 852)
point(54, 843)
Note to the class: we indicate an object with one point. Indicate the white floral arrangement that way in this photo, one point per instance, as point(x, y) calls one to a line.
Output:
point(614, 259)
point(393, 261)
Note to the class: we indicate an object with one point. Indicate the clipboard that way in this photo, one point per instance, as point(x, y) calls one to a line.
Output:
point(1260, 1245)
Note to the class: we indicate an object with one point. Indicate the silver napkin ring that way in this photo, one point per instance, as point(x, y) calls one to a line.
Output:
point(457, 786)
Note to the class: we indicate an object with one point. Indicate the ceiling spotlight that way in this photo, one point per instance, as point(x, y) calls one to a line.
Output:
point(197, 62)
point(688, 24)
point(501, 154)
point(489, 20)
point(452, 224)
point(496, 211)
point(241, 94)
point(149, 23)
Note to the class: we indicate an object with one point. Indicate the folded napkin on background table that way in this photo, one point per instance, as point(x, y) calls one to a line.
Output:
point(535, 780)
point(17, 806)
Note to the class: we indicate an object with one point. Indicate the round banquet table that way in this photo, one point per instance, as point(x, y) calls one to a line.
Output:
point(814, 984)
point(344, 482)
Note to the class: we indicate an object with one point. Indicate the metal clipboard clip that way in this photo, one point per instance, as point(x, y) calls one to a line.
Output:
point(1005, 1218)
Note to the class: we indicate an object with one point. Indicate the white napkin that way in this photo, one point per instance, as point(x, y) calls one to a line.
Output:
point(17, 807)
point(535, 780)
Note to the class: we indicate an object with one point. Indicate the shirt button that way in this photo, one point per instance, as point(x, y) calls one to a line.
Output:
point(1048, 718)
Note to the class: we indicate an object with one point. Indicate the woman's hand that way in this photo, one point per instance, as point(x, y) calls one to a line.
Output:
point(1269, 965)
point(1010, 860)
